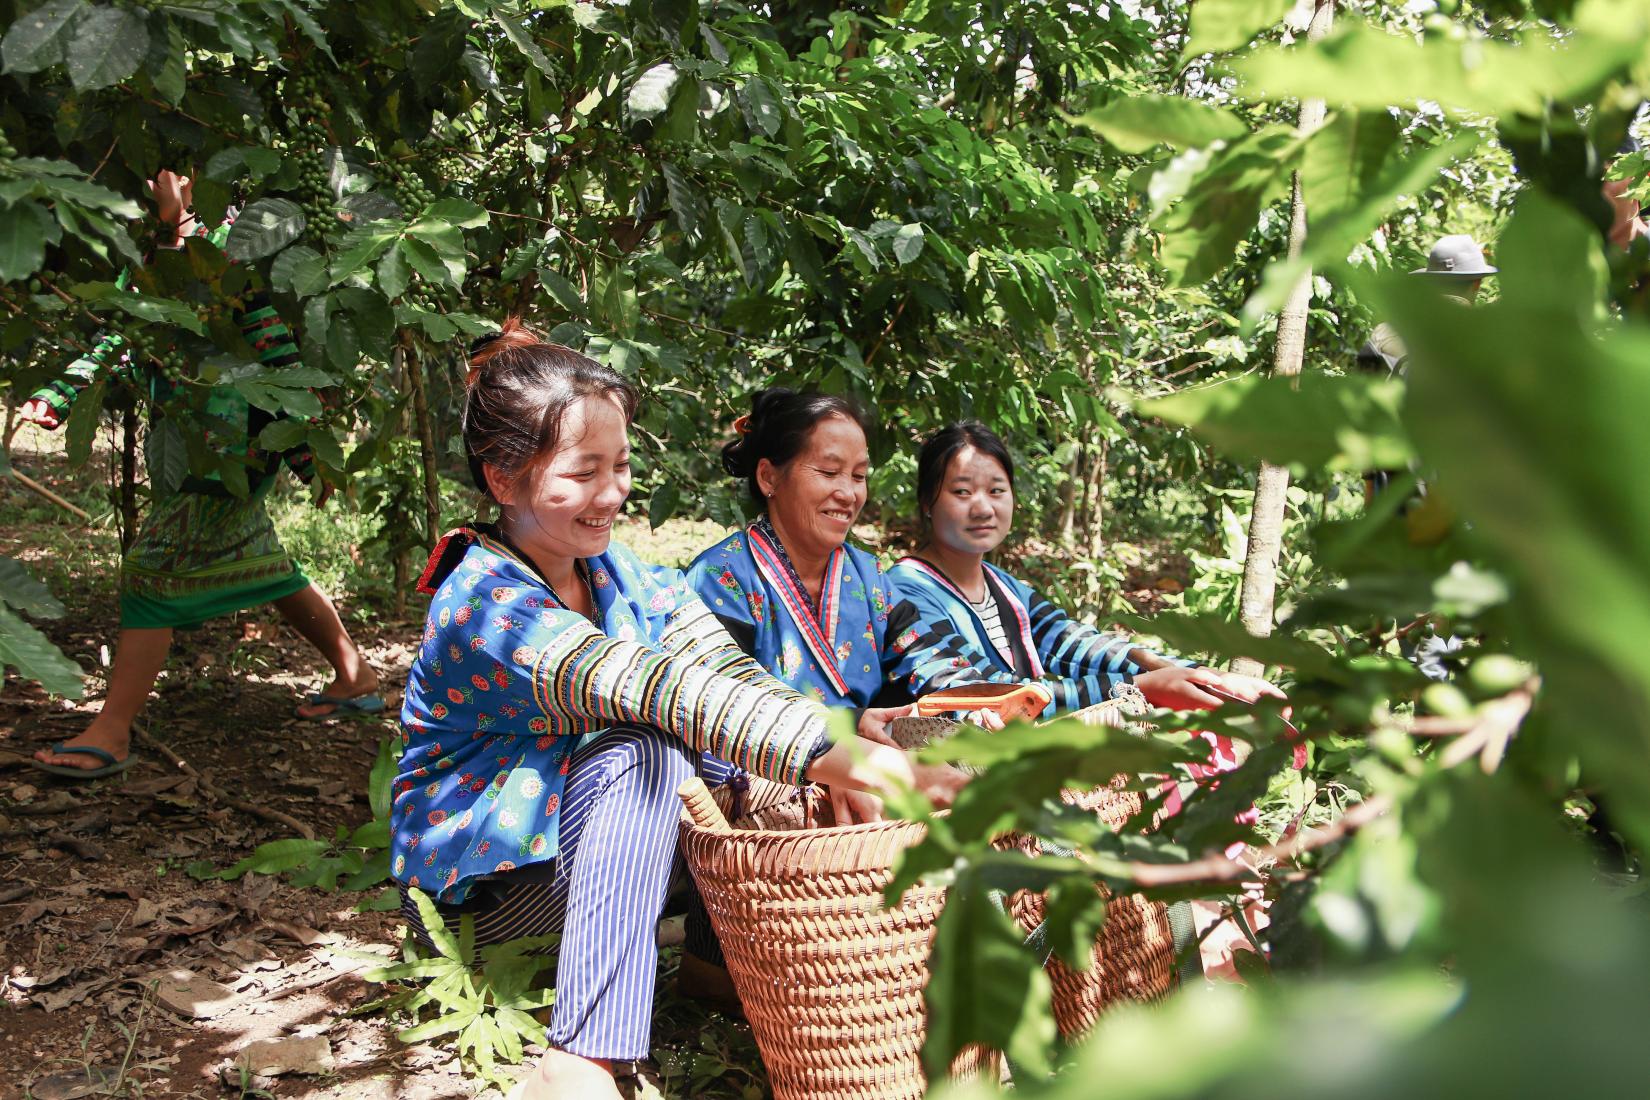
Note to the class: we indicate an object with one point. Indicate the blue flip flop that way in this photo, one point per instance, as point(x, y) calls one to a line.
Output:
point(356, 706)
point(111, 766)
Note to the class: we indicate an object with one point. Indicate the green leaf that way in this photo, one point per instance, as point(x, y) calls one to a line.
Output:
point(1222, 206)
point(280, 436)
point(1539, 476)
point(1347, 423)
point(358, 248)
point(650, 95)
point(1216, 635)
point(21, 592)
point(276, 856)
point(394, 276)
point(1343, 159)
point(1135, 124)
point(984, 986)
point(166, 456)
point(563, 291)
point(761, 106)
point(37, 40)
point(299, 271)
point(1221, 25)
point(108, 45)
point(380, 783)
point(662, 504)
point(264, 228)
point(374, 834)
point(457, 212)
point(424, 260)
point(687, 204)
point(22, 241)
point(518, 36)
point(1361, 65)
point(171, 80)
point(83, 420)
point(435, 925)
point(343, 345)
point(1337, 232)
point(908, 243)
point(32, 654)
point(326, 448)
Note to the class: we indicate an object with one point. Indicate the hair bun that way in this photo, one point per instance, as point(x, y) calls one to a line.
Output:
point(511, 335)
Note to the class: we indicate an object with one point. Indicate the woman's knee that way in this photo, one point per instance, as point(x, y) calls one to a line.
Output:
point(640, 757)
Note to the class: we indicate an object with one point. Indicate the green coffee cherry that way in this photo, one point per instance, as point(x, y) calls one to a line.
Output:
point(1497, 673)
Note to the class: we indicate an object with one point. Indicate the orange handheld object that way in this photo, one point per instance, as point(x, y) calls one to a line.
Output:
point(1010, 701)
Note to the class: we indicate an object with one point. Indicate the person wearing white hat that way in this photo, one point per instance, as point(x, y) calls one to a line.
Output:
point(1457, 264)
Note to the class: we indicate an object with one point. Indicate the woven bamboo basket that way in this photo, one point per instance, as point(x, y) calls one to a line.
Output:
point(1133, 957)
point(831, 980)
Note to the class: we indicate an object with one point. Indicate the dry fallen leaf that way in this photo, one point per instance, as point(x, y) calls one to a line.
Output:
point(73, 995)
point(272, 1057)
point(91, 1081)
point(189, 994)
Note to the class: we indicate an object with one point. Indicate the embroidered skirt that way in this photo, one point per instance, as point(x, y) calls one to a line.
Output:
point(199, 556)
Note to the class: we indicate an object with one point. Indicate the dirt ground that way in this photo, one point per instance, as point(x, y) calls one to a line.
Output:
point(121, 974)
point(97, 902)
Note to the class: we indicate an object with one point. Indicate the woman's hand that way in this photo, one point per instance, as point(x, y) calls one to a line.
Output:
point(874, 721)
point(854, 807)
point(939, 783)
point(871, 766)
point(1179, 688)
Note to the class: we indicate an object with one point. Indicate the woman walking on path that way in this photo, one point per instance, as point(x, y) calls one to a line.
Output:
point(563, 691)
point(202, 552)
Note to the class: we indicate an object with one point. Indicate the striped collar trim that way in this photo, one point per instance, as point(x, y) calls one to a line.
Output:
point(818, 631)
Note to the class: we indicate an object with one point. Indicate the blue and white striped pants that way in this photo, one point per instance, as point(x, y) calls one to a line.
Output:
point(603, 892)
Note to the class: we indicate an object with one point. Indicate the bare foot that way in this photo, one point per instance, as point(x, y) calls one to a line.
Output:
point(563, 1076)
point(110, 735)
point(340, 688)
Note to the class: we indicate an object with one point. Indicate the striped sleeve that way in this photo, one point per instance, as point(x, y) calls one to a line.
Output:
point(925, 652)
point(582, 675)
point(61, 393)
point(1083, 663)
point(694, 634)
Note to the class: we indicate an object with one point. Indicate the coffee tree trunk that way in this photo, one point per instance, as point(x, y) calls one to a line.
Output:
point(1260, 565)
point(414, 369)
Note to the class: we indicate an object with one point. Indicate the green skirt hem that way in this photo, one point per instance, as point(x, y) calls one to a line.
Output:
point(139, 612)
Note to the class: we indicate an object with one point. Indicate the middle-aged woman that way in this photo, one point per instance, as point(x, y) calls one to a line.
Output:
point(965, 493)
point(563, 691)
point(817, 613)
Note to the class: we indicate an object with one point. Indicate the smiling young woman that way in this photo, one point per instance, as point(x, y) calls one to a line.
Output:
point(996, 623)
point(563, 691)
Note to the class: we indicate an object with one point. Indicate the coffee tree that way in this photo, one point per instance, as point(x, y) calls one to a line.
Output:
point(1028, 213)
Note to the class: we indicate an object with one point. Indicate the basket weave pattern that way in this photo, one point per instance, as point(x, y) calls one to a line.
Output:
point(1133, 958)
point(830, 979)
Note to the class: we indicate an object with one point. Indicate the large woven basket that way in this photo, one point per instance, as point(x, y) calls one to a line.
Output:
point(830, 978)
point(1133, 957)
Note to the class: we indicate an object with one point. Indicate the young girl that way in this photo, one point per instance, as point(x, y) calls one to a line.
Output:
point(563, 691)
point(965, 493)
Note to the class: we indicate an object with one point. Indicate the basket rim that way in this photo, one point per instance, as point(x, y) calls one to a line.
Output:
point(864, 828)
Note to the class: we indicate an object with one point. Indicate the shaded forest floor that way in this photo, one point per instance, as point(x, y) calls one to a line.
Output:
point(122, 974)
